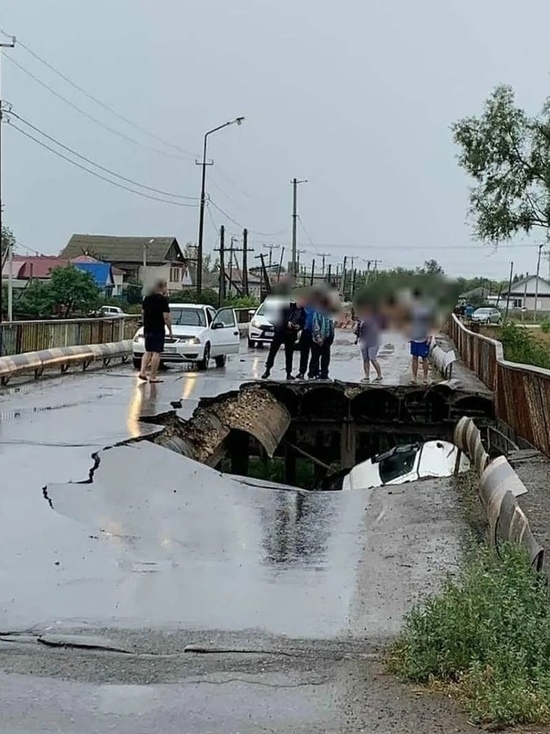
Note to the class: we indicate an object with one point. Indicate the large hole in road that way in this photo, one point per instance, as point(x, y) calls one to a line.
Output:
point(305, 435)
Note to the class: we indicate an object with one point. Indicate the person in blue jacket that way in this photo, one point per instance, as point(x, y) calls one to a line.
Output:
point(322, 338)
point(306, 339)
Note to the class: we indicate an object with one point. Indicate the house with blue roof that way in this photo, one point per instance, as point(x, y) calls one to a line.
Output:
point(101, 272)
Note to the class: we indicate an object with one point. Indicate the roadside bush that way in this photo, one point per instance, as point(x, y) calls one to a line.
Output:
point(545, 326)
point(521, 346)
point(241, 302)
point(485, 638)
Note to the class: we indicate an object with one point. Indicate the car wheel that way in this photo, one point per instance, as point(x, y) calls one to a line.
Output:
point(221, 360)
point(137, 363)
point(203, 363)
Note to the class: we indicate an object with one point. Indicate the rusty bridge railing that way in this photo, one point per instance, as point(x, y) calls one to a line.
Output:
point(522, 391)
point(33, 336)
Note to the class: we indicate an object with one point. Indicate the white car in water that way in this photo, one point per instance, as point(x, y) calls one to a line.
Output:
point(200, 334)
point(407, 463)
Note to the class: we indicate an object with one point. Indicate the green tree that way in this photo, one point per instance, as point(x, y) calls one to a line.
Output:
point(7, 240)
point(69, 291)
point(507, 153)
point(36, 300)
point(432, 267)
point(73, 290)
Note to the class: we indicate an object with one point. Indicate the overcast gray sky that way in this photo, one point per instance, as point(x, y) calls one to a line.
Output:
point(357, 96)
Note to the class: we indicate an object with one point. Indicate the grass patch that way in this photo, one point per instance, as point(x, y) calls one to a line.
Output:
point(484, 638)
point(466, 485)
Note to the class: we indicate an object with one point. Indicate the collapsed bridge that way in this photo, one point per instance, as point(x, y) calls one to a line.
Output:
point(329, 426)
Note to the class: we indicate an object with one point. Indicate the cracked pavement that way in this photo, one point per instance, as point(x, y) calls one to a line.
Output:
point(142, 592)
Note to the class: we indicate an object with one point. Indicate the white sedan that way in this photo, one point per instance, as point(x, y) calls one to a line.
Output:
point(407, 463)
point(200, 334)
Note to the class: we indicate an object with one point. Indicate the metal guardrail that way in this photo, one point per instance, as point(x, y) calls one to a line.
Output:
point(499, 487)
point(62, 357)
point(20, 337)
point(522, 391)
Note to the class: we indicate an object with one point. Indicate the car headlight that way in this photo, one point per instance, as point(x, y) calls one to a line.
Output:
point(138, 338)
point(190, 340)
point(256, 324)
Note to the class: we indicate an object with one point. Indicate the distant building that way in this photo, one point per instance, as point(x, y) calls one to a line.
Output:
point(234, 285)
point(39, 267)
point(476, 294)
point(163, 256)
point(525, 294)
point(35, 267)
point(107, 277)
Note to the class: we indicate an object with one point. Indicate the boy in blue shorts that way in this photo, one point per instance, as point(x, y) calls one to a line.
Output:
point(420, 336)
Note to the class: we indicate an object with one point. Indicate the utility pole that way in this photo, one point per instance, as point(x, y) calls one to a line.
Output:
point(202, 204)
point(11, 44)
point(280, 264)
point(244, 279)
point(267, 284)
point(537, 284)
point(10, 282)
point(323, 255)
point(232, 250)
point(344, 278)
point(221, 287)
point(298, 253)
point(294, 263)
point(509, 289)
point(271, 248)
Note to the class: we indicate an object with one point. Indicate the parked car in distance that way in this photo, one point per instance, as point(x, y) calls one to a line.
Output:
point(200, 334)
point(487, 315)
point(108, 312)
point(402, 464)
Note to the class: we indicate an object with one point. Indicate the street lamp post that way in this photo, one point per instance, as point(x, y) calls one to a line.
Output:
point(237, 121)
point(144, 274)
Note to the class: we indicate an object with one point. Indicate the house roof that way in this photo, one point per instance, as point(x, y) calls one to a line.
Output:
point(35, 266)
point(89, 259)
point(121, 249)
point(100, 272)
point(518, 288)
point(476, 293)
point(236, 275)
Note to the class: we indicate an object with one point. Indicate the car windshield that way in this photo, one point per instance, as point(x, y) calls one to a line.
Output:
point(188, 316)
point(397, 462)
point(270, 309)
point(484, 310)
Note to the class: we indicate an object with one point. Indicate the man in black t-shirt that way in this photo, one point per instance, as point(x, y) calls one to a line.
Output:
point(156, 318)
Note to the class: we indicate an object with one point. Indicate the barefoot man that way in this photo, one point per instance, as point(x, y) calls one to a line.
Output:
point(156, 319)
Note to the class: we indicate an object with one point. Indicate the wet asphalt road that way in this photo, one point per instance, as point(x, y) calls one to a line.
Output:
point(145, 552)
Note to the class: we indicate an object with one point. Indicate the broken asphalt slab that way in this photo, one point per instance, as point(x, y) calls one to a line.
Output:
point(157, 540)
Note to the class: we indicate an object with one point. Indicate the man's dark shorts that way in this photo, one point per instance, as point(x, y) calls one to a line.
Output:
point(420, 349)
point(154, 343)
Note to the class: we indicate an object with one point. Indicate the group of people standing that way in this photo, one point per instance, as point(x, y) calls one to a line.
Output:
point(415, 319)
point(309, 317)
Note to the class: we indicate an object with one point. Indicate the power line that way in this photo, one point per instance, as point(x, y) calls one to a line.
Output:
point(100, 102)
point(94, 173)
point(97, 165)
point(311, 242)
point(88, 115)
point(418, 248)
point(211, 217)
point(238, 224)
